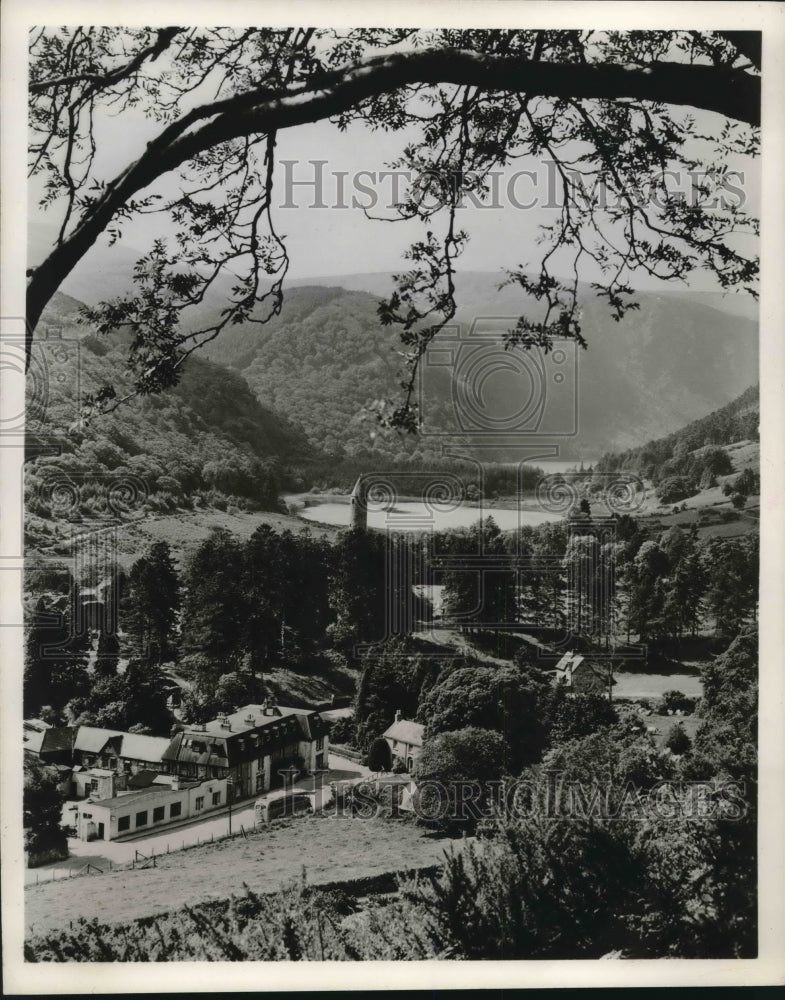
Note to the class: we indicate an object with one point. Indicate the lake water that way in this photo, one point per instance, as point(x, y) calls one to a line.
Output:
point(406, 516)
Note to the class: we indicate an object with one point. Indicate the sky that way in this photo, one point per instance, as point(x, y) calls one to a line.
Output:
point(339, 238)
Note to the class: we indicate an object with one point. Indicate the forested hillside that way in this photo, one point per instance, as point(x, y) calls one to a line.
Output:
point(206, 440)
point(326, 358)
point(694, 457)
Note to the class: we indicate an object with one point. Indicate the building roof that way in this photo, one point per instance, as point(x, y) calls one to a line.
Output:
point(33, 740)
point(38, 725)
point(244, 735)
point(92, 740)
point(60, 739)
point(136, 746)
point(145, 794)
point(567, 664)
point(142, 779)
point(406, 732)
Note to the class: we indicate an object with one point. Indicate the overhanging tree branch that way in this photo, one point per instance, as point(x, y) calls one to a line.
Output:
point(724, 90)
point(98, 80)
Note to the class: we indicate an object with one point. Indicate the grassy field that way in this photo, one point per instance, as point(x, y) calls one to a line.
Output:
point(664, 724)
point(641, 685)
point(184, 530)
point(311, 688)
point(328, 848)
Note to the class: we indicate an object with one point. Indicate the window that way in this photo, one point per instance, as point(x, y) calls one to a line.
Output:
point(199, 804)
point(113, 762)
point(175, 809)
point(320, 743)
point(216, 798)
point(260, 780)
point(158, 813)
point(123, 823)
point(94, 784)
point(141, 818)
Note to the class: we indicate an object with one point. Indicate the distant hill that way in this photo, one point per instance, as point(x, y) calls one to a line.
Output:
point(326, 357)
point(731, 424)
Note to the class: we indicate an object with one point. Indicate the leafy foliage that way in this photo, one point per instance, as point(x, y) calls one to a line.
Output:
point(678, 742)
point(152, 604)
point(42, 809)
point(511, 702)
point(380, 755)
point(55, 656)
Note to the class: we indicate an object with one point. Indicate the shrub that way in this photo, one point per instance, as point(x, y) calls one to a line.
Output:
point(342, 731)
point(678, 742)
point(675, 701)
point(43, 802)
point(380, 755)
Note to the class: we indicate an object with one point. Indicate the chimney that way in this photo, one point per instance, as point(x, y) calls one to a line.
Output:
point(398, 715)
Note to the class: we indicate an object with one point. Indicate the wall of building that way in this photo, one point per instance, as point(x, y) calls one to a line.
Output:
point(106, 784)
point(404, 750)
point(310, 751)
point(114, 815)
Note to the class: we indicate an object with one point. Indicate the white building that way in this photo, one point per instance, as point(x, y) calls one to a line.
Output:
point(405, 739)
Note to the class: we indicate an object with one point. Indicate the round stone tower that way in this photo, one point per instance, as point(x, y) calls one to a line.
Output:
point(359, 514)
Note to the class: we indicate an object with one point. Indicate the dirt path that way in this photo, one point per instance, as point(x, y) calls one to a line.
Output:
point(330, 848)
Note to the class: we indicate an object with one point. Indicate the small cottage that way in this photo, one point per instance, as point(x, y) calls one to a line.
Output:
point(574, 672)
point(405, 739)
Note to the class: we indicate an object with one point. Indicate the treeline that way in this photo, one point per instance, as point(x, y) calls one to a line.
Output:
point(281, 599)
point(672, 458)
point(596, 578)
point(409, 478)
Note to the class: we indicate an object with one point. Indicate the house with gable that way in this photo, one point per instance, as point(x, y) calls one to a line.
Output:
point(250, 747)
point(96, 761)
point(578, 675)
point(405, 739)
